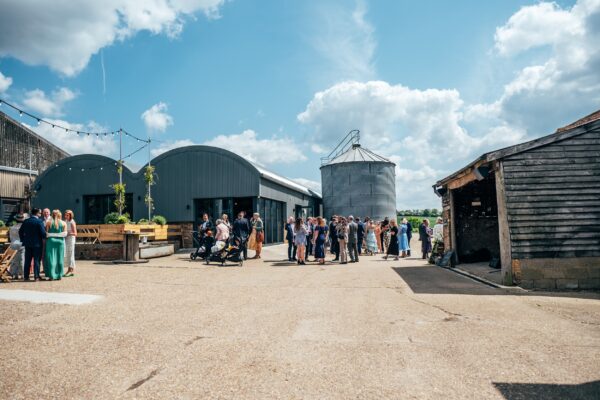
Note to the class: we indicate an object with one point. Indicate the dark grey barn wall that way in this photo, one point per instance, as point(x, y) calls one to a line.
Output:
point(359, 188)
point(553, 199)
point(60, 187)
point(194, 173)
point(274, 191)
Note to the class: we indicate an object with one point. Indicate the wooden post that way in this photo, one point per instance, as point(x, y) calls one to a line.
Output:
point(452, 221)
point(504, 232)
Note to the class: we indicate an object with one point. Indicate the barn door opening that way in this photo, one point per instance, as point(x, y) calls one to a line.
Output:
point(476, 216)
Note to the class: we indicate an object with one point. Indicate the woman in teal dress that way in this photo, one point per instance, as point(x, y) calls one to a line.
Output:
point(55, 247)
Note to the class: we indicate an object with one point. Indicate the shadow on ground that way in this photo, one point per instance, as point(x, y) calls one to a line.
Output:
point(436, 280)
point(517, 391)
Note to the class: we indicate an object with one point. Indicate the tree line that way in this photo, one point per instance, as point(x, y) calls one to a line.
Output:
point(427, 212)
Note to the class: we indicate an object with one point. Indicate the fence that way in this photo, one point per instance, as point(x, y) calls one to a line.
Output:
point(114, 233)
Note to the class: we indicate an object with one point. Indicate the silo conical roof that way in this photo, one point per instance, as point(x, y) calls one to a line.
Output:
point(357, 153)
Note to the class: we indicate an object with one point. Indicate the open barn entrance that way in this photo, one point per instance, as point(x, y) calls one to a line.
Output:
point(476, 221)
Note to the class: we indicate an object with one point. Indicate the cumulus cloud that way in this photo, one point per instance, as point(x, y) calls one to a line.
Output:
point(274, 150)
point(156, 118)
point(430, 133)
point(63, 34)
point(567, 84)
point(5, 82)
point(345, 39)
point(313, 185)
point(37, 101)
point(166, 146)
point(78, 144)
point(422, 131)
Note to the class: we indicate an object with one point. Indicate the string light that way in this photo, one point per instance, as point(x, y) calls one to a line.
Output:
point(40, 121)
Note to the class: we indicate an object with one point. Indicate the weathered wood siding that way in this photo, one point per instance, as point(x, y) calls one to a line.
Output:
point(553, 199)
point(22, 148)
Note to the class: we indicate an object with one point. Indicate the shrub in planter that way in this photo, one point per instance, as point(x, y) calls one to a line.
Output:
point(2, 224)
point(159, 219)
point(115, 218)
point(143, 221)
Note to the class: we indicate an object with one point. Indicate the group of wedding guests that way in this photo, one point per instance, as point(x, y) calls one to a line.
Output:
point(43, 241)
point(348, 237)
point(250, 233)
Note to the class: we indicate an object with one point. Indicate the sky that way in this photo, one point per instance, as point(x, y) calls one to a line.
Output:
point(431, 85)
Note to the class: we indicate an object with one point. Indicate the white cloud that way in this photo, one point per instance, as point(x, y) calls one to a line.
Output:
point(64, 35)
point(346, 40)
point(567, 84)
point(260, 151)
point(78, 144)
point(313, 185)
point(166, 146)
point(537, 25)
point(156, 118)
point(275, 150)
point(430, 133)
point(315, 148)
point(37, 101)
point(5, 82)
point(422, 131)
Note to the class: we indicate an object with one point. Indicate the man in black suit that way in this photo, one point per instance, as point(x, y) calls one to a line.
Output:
point(333, 238)
point(289, 236)
point(32, 234)
point(423, 236)
point(242, 229)
point(361, 234)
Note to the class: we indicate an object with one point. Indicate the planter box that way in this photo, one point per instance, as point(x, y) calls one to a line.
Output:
point(114, 232)
point(4, 235)
point(156, 250)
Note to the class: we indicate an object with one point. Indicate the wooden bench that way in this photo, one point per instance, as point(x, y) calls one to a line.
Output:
point(89, 233)
point(5, 260)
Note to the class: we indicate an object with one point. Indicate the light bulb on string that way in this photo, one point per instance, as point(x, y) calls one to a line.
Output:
point(39, 121)
point(20, 113)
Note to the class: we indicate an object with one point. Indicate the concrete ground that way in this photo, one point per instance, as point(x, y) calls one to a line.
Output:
point(378, 329)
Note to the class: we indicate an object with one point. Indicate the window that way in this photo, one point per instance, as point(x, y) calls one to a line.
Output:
point(96, 207)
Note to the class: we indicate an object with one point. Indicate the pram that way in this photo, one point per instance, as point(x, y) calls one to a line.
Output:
point(232, 251)
point(203, 245)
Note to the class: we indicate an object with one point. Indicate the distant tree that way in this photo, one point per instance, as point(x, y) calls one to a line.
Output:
point(435, 212)
point(426, 212)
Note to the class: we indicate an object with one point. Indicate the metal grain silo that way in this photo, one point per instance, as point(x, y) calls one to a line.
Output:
point(356, 181)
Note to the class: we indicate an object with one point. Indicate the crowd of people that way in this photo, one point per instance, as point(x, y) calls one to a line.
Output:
point(348, 238)
point(43, 242)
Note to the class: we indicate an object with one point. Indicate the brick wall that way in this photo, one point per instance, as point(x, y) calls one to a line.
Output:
point(560, 273)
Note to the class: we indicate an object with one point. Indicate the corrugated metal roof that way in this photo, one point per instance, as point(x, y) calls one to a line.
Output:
point(284, 181)
point(357, 153)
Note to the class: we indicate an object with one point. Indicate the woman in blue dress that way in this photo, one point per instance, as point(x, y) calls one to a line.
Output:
point(319, 238)
point(403, 238)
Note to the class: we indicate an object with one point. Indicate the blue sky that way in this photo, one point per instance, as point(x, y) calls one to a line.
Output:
point(430, 84)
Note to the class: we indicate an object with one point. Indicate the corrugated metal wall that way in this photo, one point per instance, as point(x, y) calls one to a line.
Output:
point(182, 175)
point(364, 189)
point(553, 199)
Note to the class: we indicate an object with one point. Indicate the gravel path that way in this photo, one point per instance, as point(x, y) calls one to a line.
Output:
point(378, 329)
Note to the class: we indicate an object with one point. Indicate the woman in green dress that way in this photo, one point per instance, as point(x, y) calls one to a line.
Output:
point(55, 247)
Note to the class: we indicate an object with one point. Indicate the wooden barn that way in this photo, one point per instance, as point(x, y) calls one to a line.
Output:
point(534, 206)
point(23, 154)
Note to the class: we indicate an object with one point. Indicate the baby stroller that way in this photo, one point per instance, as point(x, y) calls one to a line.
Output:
point(203, 245)
point(232, 251)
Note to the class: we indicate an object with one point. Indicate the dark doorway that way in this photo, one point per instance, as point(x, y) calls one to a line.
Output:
point(215, 208)
point(95, 207)
point(476, 216)
point(272, 214)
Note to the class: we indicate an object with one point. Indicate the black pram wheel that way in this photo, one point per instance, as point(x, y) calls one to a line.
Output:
point(193, 256)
